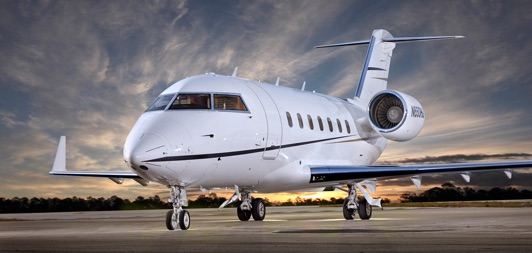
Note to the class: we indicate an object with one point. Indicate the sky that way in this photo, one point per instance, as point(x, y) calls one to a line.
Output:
point(89, 69)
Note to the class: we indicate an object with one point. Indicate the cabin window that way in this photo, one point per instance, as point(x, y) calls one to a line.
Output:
point(330, 124)
point(300, 121)
point(320, 122)
point(347, 127)
point(310, 123)
point(289, 118)
point(339, 125)
point(160, 102)
point(229, 102)
point(192, 101)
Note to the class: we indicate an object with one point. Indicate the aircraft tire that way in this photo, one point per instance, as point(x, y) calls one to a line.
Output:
point(364, 210)
point(243, 215)
point(258, 209)
point(171, 220)
point(348, 214)
point(184, 220)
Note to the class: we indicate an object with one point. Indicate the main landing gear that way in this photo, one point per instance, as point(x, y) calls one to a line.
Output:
point(247, 208)
point(178, 217)
point(362, 205)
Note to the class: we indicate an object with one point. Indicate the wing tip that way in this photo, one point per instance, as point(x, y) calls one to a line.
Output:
point(60, 157)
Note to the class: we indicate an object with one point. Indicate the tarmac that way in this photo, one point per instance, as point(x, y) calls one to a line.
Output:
point(285, 229)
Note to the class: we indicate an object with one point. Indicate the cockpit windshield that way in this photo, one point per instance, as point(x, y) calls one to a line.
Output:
point(160, 102)
point(229, 102)
point(195, 101)
point(192, 101)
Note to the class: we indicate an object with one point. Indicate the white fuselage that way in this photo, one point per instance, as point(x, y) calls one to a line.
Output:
point(256, 148)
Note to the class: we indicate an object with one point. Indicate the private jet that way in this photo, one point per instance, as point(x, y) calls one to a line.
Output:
point(211, 132)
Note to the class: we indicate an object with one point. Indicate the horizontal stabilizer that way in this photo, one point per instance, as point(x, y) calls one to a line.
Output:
point(353, 43)
point(414, 39)
point(393, 40)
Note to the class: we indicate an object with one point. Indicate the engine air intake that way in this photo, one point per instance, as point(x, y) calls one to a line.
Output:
point(395, 116)
point(387, 111)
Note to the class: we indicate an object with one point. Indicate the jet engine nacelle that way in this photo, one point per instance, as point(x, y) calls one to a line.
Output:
point(396, 116)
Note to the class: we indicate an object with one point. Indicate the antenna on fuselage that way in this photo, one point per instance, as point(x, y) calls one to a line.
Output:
point(303, 87)
point(277, 82)
point(234, 72)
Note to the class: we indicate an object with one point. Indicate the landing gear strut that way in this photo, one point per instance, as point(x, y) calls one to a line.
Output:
point(251, 208)
point(178, 217)
point(362, 205)
point(350, 203)
point(247, 208)
point(243, 210)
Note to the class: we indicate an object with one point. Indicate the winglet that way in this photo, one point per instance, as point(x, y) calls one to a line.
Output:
point(60, 156)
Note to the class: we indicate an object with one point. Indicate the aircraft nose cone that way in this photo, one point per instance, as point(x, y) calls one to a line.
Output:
point(149, 147)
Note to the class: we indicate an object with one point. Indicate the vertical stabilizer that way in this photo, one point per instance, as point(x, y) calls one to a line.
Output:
point(374, 77)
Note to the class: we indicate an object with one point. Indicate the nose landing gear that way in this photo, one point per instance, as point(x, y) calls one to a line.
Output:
point(178, 217)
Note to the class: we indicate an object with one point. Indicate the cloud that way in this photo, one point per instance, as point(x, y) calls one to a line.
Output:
point(9, 119)
point(459, 158)
point(89, 69)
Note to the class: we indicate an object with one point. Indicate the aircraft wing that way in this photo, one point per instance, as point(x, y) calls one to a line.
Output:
point(113, 174)
point(346, 173)
point(59, 169)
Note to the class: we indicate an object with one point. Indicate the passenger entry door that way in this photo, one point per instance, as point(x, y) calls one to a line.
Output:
point(274, 133)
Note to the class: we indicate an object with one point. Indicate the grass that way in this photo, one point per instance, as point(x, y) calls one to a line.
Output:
point(524, 203)
point(10, 219)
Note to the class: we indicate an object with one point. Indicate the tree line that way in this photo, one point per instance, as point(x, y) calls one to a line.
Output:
point(449, 192)
point(76, 204)
point(34, 205)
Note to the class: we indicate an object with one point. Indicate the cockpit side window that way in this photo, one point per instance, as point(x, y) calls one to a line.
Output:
point(191, 101)
point(160, 102)
point(229, 102)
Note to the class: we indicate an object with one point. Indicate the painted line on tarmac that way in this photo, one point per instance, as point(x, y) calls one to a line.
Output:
point(379, 219)
point(222, 221)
